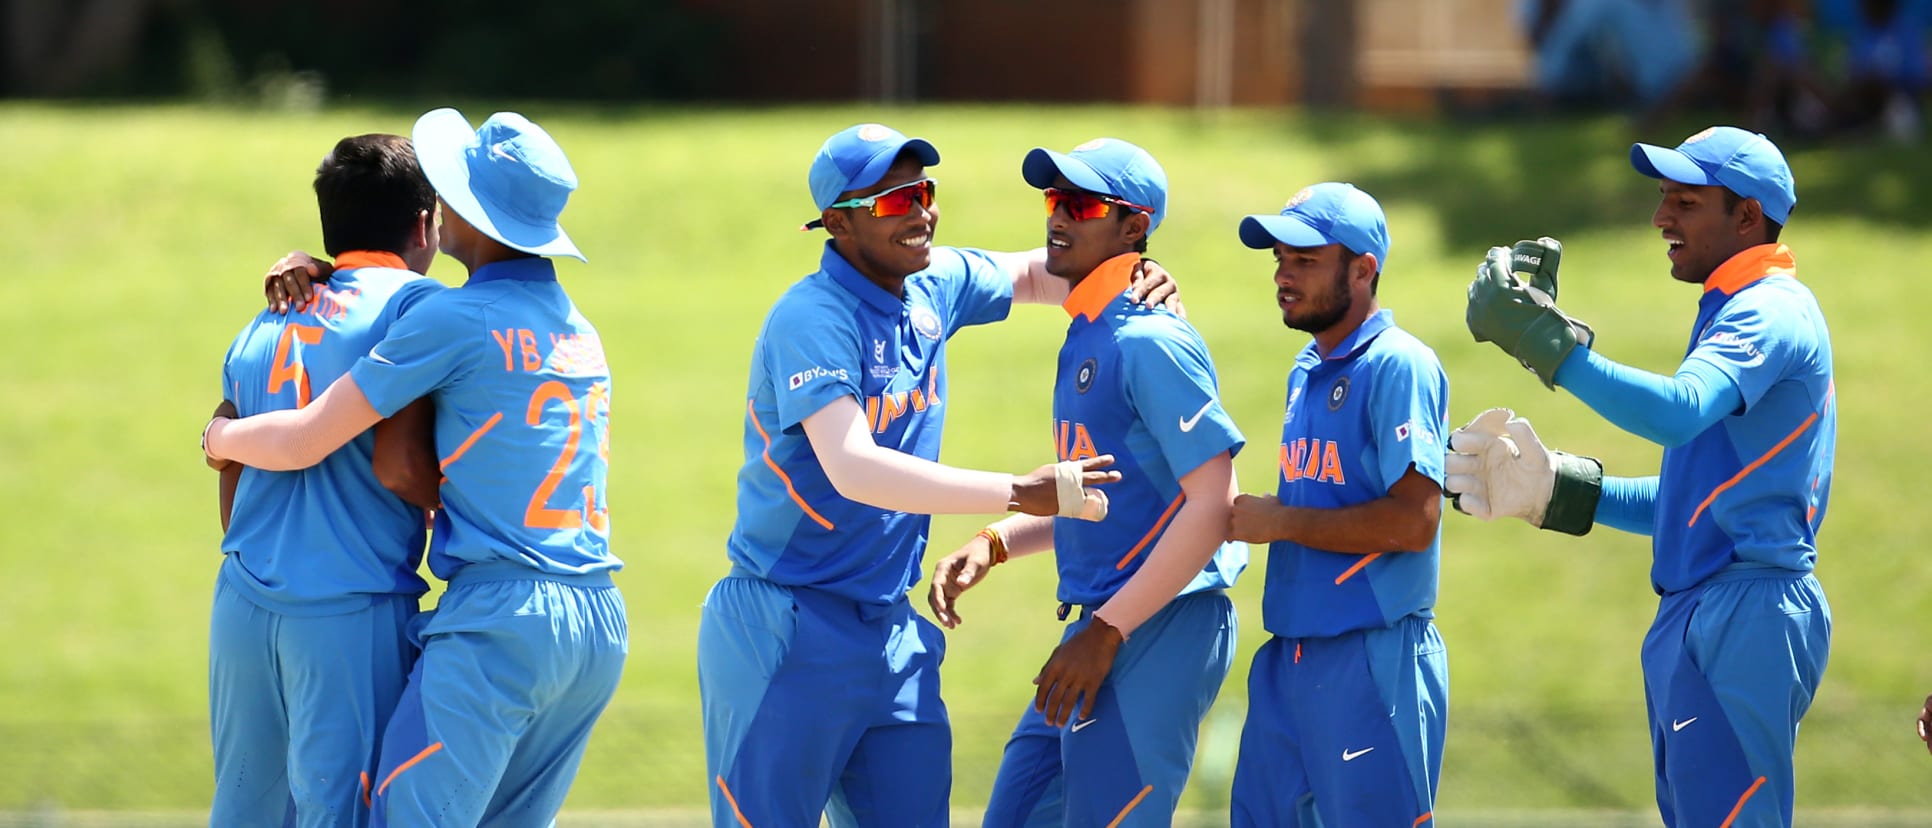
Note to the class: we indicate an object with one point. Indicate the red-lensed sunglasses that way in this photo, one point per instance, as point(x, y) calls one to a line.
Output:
point(897, 201)
point(1083, 206)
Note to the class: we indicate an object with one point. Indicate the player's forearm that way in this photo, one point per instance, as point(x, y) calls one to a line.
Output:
point(298, 438)
point(1032, 284)
point(887, 479)
point(1629, 504)
point(225, 492)
point(1197, 530)
point(1668, 411)
point(1385, 524)
point(1024, 534)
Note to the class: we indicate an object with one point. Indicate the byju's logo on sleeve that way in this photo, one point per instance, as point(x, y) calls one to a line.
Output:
point(814, 373)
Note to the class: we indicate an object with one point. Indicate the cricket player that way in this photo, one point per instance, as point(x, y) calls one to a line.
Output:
point(1347, 702)
point(1108, 737)
point(525, 648)
point(1747, 422)
point(820, 681)
point(308, 648)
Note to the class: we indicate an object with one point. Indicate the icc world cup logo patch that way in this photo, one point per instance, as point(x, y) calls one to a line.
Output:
point(1337, 394)
point(1083, 378)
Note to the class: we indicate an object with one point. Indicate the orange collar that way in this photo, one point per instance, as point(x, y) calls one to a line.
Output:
point(1750, 265)
point(1091, 297)
point(352, 259)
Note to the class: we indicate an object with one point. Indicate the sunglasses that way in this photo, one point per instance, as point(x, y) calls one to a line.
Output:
point(1084, 206)
point(897, 201)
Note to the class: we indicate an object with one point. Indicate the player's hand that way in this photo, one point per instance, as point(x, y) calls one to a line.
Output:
point(1925, 724)
point(1498, 467)
point(1065, 489)
point(1153, 286)
point(1254, 519)
point(1073, 674)
point(954, 574)
point(1524, 322)
point(292, 280)
point(1535, 263)
point(226, 409)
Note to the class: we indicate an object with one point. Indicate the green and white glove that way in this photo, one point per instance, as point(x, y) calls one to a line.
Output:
point(1523, 320)
point(1497, 467)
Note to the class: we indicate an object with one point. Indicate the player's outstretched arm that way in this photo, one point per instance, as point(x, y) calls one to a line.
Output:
point(1152, 285)
point(405, 460)
point(1669, 411)
point(1496, 466)
point(866, 472)
point(293, 438)
point(1012, 537)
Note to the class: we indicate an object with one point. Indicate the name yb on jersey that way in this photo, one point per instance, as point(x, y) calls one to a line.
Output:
point(1312, 458)
point(1072, 442)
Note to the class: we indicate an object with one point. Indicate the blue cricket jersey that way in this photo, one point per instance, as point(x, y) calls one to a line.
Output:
point(325, 539)
point(1356, 422)
point(523, 397)
point(1752, 490)
point(836, 334)
point(1136, 383)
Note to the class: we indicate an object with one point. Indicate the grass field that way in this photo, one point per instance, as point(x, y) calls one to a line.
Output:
point(135, 237)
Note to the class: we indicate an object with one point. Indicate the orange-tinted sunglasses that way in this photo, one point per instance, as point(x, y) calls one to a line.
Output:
point(897, 201)
point(1083, 206)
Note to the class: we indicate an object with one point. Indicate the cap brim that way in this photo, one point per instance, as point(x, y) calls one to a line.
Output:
point(1043, 166)
point(442, 138)
point(876, 167)
point(1667, 163)
point(1264, 232)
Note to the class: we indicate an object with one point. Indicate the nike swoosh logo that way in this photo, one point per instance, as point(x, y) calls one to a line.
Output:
point(1077, 726)
point(1188, 424)
point(1349, 756)
point(379, 357)
point(1677, 725)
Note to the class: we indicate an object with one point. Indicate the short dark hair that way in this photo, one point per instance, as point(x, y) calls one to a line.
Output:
point(369, 190)
point(1771, 227)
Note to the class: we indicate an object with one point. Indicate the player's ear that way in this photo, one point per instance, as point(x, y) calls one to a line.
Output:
point(1135, 227)
point(1364, 268)
point(419, 234)
point(1750, 217)
point(836, 223)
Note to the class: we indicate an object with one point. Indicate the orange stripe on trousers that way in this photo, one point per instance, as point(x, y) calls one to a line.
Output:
point(1130, 806)
point(809, 512)
point(734, 803)
point(474, 436)
point(407, 765)
point(1735, 809)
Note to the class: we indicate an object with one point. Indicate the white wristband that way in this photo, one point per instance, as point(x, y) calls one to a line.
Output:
point(1075, 500)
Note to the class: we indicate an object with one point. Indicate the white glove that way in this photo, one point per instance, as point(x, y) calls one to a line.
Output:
point(1075, 500)
point(1497, 467)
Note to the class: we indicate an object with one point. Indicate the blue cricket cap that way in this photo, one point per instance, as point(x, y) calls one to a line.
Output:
point(1741, 161)
point(1327, 213)
point(1108, 166)
point(507, 178)
point(857, 157)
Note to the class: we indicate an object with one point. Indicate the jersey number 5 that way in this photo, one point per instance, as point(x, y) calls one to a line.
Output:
point(287, 366)
point(538, 515)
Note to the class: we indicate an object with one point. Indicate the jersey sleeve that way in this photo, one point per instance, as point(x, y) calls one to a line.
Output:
point(1409, 416)
point(1170, 382)
point(407, 297)
point(812, 356)
point(983, 293)
point(426, 349)
point(1751, 342)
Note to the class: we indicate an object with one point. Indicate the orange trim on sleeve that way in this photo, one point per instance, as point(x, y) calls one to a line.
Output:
point(752, 413)
point(734, 803)
point(1154, 532)
point(369, 258)
point(1098, 289)
point(1350, 572)
point(474, 436)
point(1739, 807)
point(425, 754)
point(1130, 806)
point(1750, 265)
point(1830, 391)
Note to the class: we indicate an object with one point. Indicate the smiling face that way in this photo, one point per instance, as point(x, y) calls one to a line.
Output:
point(886, 249)
point(1702, 228)
point(1075, 247)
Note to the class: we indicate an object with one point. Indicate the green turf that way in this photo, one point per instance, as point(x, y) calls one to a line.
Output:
point(134, 238)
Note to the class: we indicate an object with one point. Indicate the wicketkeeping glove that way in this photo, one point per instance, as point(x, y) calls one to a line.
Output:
point(1497, 467)
point(1523, 321)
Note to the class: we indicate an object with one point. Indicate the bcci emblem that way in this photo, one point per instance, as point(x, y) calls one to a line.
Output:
point(1094, 144)
point(1083, 378)
point(874, 132)
point(1700, 136)
point(1338, 393)
point(1299, 198)
point(926, 323)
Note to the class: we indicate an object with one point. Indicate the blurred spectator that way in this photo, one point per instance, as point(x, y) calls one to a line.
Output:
point(1609, 51)
point(1886, 64)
